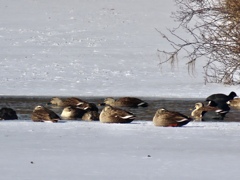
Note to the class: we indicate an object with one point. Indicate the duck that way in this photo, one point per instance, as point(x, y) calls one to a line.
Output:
point(87, 106)
point(91, 116)
point(111, 114)
point(72, 101)
point(234, 102)
point(91, 109)
point(166, 118)
point(124, 102)
point(43, 114)
point(202, 112)
point(221, 97)
point(71, 112)
point(8, 114)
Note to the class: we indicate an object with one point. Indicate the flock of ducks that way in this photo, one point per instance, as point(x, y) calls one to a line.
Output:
point(74, 108)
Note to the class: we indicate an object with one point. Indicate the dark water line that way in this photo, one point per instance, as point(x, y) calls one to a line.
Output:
point(25, 104)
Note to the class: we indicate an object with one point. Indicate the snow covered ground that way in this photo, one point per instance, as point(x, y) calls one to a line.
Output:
point(91, 48)
point(91, 150)
point(103, 48)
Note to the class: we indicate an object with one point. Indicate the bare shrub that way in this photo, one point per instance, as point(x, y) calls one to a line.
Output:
point(214, 27)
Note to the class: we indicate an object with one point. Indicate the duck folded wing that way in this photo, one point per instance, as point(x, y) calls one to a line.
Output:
point(41, 114)
point(132, 102)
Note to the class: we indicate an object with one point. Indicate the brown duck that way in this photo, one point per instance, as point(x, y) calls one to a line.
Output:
point(234, 102)
point(125, 102)
point(91, 109)
point(200, 110)
point(42, 114)
point(87, 106)
point(72, 101)
point(71, 112)
point(111, 114)
point(91, 116)
point(167, 118)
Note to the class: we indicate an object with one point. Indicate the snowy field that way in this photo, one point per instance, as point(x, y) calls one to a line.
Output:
point(91, 150)
point(103, 48)
point(91, 48)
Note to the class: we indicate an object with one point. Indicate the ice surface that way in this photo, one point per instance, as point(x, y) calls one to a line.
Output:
point(92, 150)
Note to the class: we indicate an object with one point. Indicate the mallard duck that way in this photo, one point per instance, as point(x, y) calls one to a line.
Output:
point(71, 112)
point(72, 101)
point(87, 106)
point(166, 118)
point(125, 102)
point(111, 114)
point(42, 114)
point(91, 116)
point(202, 112)
point(234, 102)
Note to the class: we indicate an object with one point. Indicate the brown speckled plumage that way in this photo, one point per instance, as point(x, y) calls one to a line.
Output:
point(72, 101)
point(125, 102)
point(234, 102)
point(72, 113)
point(111, 114)
point(91, 116)
point(200, 109)
point(167, 118)
point(41, 114)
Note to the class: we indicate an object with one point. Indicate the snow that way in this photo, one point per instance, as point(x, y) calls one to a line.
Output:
point(91, 48)
point(103, 48)
point(93, 150)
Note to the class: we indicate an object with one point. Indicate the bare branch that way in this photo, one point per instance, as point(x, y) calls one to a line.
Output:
point(214, 28)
